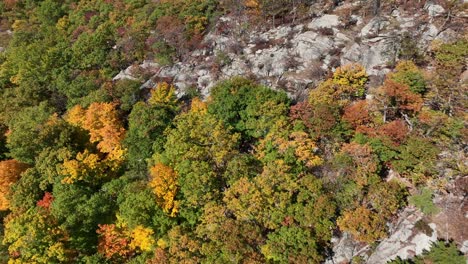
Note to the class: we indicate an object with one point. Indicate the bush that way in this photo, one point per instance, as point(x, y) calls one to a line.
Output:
point(408, 73)
point(423, 201)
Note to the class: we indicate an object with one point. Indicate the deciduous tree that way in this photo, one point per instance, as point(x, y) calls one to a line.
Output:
point(10, 172)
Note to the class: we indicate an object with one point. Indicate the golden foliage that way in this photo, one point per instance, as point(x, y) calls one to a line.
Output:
point(10, 172)
point(348, 82)
point(89, 166)
point(304, 148)
point(363, 224)
point(283, 140)
point(105, 128)
point(164, 185)
point(102, 122)
point(141, 238)
point(198, 106)
point(163, 94)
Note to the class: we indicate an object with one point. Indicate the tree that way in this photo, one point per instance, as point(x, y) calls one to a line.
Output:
point(199, 136)
point(396, 100)
point(10, 172)
point(34, 237)
point(320, 119)
point(294, 147)
point(445, 91)
point(227, 239)
point(145, 136)
point(103, 123)
point(26, 191)
point(416, 159)
point(364, 224)
point(408, 73)
point(347, 83)
point(423, 200)
point(442, 253)
point(137, 205)
point(291, 245)
point(358, 115)
point(114, 243)
point(142, 238)
point(79, 210)
point(163, 95)
point(172, 30)
point(249, 108)
point(23, 140)
point(396, 130)
point(364, 162)
point(165, 185)
point(105, 128)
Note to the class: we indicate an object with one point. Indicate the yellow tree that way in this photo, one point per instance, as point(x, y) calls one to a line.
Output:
point(163, 95)
point(103, 123)
point(364, 224)
point(164, 185)
point(348, 82)
point(142, 238)
point(10, 172)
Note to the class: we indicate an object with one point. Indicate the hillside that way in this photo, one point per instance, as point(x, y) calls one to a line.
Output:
point(233, 131)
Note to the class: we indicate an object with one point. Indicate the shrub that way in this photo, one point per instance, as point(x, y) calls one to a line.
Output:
point(423, 201)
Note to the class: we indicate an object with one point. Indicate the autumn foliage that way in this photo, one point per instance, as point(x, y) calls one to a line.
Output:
point(103, 123)
point(120, 172)
point(164, 185)
point(113, 242)
point(10, 172)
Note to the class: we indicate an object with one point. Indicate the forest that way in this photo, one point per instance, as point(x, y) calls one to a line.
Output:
point(96, 170)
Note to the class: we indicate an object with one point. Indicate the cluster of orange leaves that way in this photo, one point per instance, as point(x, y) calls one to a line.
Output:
point(102, 122)
point(10, 172)
point(117, 242)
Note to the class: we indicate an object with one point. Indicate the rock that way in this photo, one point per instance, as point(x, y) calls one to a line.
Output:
point(434, 10)
point(326, 21)
point(464, 76)
point(125, 74)
point(131, 71)
point(312, 46)
point(372, 56)
point(374, 27)
point(430, 32)
point(344, 249)
point(447, 35)
point(149, 65)
point(464, 248)
point(236, 68)
point(405, 239)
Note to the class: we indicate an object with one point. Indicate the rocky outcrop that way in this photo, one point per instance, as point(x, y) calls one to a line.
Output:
point(295, 57)
point(409, 236)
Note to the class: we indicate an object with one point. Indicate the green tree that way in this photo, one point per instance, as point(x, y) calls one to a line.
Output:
point(33, 236)
point(26, 139)
point(408, 73)
point(145, 136)
point(249, 108)
point(79, 210)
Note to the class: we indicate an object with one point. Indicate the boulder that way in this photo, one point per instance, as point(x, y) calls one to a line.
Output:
point(405, 239)
point(312, 46)
point(374, 27)
point(326, 21)
point(434, 10)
